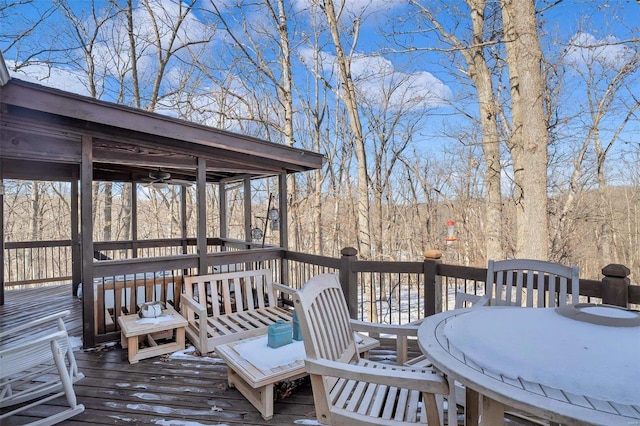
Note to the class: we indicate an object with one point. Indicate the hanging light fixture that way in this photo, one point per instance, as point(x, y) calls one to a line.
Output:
point(274, 216)
point(256, 233)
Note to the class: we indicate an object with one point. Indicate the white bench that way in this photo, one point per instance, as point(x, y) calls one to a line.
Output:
point(224, 307)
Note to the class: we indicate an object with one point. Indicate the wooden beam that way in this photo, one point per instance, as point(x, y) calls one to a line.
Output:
point(247, 209)
point(39, 170)
point(76, 243)
point(183, 218)
point(86, 225)
point(202, 216)
point(157, 159)
point(134, 215)
point(30, 146)
point(1, 227)
point(222, 208)
point(284, 214)
point(284, 225)
point(52, 101)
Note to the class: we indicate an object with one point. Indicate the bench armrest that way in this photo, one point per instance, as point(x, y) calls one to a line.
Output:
point(188, 303)
point(284, 289)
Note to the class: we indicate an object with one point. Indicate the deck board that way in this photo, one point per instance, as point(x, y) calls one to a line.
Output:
point(176, 390)
point(153, 391)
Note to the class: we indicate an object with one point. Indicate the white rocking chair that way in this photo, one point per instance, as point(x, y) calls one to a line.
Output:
point(38, 369)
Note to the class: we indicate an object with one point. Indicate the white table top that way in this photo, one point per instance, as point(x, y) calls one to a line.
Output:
point(255, 376)
point(540, 361)
point(133, 325)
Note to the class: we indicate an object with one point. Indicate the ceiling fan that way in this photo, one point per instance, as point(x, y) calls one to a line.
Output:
point(160, 179)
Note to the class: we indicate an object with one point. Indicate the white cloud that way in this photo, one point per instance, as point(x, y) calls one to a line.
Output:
point(377, 79)
point(167, 13)
point(59, 78)
point(353, 7)
point(585, 48)
point(112, 56)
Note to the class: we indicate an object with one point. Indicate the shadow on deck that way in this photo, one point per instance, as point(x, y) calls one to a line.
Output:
point(181, 389)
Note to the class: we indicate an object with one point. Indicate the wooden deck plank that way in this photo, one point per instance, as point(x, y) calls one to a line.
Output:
point(157, 390)
point(185, 388)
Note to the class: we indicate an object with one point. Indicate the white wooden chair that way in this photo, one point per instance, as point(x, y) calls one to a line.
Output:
point(38, 367)
point(517, 282)
point(348, 390)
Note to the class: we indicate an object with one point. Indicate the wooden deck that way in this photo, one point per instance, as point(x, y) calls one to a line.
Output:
point(184, 390)
point(177, 390)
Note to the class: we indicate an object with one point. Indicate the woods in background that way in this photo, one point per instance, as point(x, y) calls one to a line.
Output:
point(485, 113)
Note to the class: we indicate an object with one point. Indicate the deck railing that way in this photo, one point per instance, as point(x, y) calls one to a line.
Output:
point(37, 262)
point(388, 292)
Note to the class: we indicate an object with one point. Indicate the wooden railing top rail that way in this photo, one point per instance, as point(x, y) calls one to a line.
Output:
point(12, 245)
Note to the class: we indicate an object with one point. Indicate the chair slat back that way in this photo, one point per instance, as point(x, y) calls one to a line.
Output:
point(532, 283)
point(324, 320)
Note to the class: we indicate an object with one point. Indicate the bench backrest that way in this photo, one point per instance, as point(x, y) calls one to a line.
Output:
point(225, 293)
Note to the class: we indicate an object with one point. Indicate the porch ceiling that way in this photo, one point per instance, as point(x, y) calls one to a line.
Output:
point(42, 128)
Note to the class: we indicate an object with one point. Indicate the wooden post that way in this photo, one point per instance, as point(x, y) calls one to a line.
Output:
point(1, 234)
point(615, 285)
point(284, 225)
point(349, 280)
point(86, 238)
point(222, 210)
point(183, 219)
point(76, 244)
point(134, 219)
point(201, 197)
point(247, 209)
point(432, 283)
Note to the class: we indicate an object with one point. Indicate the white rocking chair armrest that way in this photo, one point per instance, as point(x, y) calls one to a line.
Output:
point(392, 376)
point(31, 324)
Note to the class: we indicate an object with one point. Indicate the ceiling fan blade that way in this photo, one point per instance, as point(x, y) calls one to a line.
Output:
point(181, 182)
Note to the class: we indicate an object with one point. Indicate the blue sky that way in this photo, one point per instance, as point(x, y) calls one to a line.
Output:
point(428, 78)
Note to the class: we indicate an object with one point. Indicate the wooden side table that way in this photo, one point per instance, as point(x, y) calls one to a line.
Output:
point(169, 325)
point(257, 385)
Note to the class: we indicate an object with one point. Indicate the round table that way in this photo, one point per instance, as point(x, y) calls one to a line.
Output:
point(573, 365)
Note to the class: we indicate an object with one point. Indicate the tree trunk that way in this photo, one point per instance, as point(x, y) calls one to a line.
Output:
point(349, 97)
point(530, 134)
point(35, 211)
point(108, 201)
point(481, 76)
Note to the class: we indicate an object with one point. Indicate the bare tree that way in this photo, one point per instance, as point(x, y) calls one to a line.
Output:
point(529, 138)
point(607, 72)
point(348, 95)
point(256, 42)
point(474, 51)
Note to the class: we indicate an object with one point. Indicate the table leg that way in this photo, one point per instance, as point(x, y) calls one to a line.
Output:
point(133, 342)
point(261, 397)
point(472, 408)
point(267, 401)
point(492, 412)
point(180, 339)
